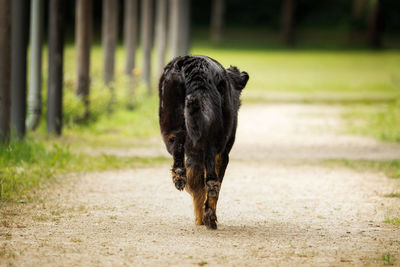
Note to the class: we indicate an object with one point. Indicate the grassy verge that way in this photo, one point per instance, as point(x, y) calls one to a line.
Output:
point(380, 122)
point(391, 168)
point(28, 165)
point(393, 220)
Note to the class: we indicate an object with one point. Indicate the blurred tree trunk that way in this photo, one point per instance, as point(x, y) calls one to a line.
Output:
point(161, 34)
point(146, 38)
point(217, 21)
point(174, 27)
point(179, 27)
point(19, 43)
point(109, 38)
point(55, 83)
point(373, 24)
point(358, 6)
point(287, 19)
point(130, 44)
point(35, 67)
point(356, 19)
point(83, 33)
point(5, 74)
point(185, 27)
point(130, 34)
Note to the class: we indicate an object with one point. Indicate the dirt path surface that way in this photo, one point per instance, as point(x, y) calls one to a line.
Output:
point(277, 207)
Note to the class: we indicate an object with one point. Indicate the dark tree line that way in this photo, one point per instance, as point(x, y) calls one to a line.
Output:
point(159, 23)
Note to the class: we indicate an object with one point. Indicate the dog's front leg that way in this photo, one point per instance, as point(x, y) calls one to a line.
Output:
point(212, 186)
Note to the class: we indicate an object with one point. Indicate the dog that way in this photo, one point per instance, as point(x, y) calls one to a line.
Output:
point(198, 111)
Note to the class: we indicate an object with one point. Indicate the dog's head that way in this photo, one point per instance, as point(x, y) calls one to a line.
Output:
point(238, 78)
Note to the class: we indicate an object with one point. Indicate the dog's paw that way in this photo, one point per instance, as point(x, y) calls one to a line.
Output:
point(179, 178)
point(210, 219)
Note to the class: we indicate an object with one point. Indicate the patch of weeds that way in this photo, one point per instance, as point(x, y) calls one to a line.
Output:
point(41, 218)
point(388, 259)
point(55, 219)
point(391, 167)
point(6, 235)
point(81, 208)
point(28, 165)
point(113, 217)
point(301, 255)
point(382, 124)
point(110, 162)
point(394, 220)
point(9, 213)
point(76, 240)
point(202, 263)
point(393, 195)
point(5, 223)
point(55, 212)
point(394, 242)
point(6, 252)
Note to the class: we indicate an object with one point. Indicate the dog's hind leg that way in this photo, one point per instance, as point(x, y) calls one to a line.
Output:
point(221, 162)
point(195, 186)
point(213, 186)
point(172, 123)
point(178, 167)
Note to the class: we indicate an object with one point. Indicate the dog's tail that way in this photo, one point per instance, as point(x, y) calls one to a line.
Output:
point(199, 114)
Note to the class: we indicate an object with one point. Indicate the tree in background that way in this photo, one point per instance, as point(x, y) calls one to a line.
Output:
point(186, 26)
point(19, 43)
point(356, 19)
point(174, 27)
point(35, 66)
point(161, 34)
point(147, 39)
point(130, 45)
point(5, 74)
point(217, 21)
point(83, 38)
point(374, 24)
point(287, 21)
point(109, 38)
point(358, 7)
point(56, 58)
point(179, 27)
point(130, 34)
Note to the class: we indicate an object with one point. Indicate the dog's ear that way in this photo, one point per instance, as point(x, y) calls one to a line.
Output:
point(239, 78)
point(244, 77)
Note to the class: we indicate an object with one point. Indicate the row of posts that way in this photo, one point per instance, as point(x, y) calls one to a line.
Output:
point(171, 23)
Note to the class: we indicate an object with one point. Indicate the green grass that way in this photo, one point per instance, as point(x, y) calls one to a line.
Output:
point(380, 122)
point(394, 220)
point(314, 72)
point(29, 165)
point(393, 195)
point(391, 168)
point(388, 259)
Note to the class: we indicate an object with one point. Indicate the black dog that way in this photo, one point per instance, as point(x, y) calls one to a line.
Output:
point(199, 103)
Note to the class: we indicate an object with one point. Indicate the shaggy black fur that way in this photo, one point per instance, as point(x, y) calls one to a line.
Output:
point(199, 103)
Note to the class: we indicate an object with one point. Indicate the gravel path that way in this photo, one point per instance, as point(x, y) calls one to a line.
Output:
point(277, 206)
